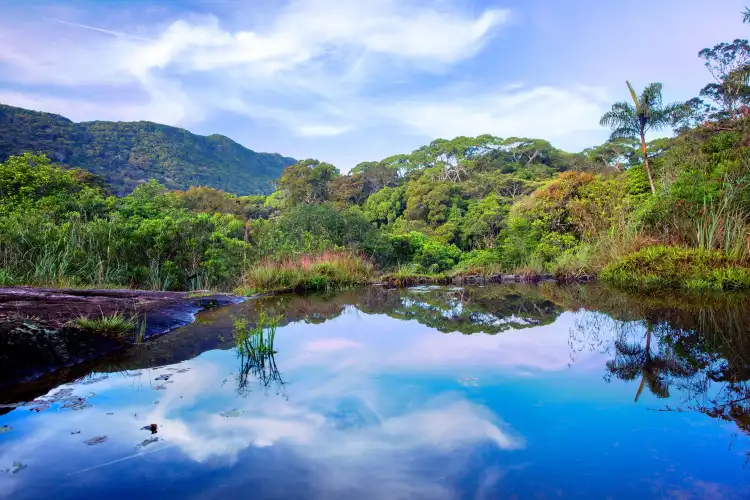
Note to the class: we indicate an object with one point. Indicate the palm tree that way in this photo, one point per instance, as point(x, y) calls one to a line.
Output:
point(633, 120)
point(633, 360)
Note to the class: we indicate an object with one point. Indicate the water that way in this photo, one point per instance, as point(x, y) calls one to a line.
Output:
point(488, 392)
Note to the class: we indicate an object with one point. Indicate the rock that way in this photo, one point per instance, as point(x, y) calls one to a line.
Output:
point(36, 335)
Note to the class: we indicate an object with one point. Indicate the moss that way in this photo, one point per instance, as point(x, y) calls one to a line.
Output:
point(660, 267)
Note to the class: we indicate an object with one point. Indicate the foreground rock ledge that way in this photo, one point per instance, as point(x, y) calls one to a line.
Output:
point(35, 336)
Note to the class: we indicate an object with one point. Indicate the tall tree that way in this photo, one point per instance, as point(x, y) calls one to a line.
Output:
point(646, 113)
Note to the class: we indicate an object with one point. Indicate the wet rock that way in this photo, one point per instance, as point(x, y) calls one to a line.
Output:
point(36, 336)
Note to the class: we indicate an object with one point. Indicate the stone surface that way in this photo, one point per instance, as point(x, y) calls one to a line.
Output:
point(37, 334)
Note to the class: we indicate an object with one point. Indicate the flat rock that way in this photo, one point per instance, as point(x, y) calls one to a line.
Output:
point(36, 335)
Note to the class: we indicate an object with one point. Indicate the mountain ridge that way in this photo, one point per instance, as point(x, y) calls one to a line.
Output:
point(127, 153)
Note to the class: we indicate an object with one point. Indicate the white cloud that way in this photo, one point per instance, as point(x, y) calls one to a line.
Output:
point(546, 112)
point(307, 69)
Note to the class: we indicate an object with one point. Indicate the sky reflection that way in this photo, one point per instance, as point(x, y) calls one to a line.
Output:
point(373, 407)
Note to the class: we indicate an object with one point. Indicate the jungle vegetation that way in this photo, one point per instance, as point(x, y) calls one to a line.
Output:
point(670, 212)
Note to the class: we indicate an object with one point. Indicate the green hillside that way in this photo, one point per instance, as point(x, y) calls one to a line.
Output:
point(125, 153)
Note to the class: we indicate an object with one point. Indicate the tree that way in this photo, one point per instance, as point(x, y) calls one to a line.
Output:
point(307, 181)
point(646, 113)
point(726, 62)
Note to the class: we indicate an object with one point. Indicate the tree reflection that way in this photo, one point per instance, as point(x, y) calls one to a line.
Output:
point(489, 310)
point(699, 347)
point(656, 369)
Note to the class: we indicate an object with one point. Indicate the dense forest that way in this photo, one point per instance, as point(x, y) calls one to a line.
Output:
point(671, 212)
point(126, 153)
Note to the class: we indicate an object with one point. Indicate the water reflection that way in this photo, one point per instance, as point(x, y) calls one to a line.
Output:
point(529, 391)
point(255, 349)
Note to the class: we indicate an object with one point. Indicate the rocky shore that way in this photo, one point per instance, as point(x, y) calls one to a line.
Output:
point(37, 334)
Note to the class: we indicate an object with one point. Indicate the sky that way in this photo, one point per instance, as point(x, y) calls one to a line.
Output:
point(353, 81)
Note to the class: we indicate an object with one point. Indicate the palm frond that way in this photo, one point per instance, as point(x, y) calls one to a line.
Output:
point(624, 369)
point(629, 349)
point(665, 116)
point(625, 132)
point(746, 16)
point(633, 94)
point(651, 97)
point(620, 114)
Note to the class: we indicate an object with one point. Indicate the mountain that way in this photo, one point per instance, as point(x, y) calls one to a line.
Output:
point(125, 153)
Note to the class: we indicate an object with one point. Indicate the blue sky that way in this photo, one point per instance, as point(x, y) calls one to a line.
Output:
point(348, 81)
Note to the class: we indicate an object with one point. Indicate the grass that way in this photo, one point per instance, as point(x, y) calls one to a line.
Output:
point(255, 340)
point(572, 266)
point(326, 271)
point(116, 326)
point(408, 275)
point(660, 267)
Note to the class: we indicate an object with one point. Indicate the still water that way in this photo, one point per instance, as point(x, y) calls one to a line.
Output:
point(487, 392)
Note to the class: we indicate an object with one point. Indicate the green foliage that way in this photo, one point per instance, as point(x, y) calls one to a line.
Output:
point(385, 206)
point(127, 153)
point(676, 267)
point(307, 181)
point(74, 235)
point(480, 204)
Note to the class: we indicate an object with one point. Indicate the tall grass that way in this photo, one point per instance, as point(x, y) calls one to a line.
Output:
point(255, 349)
point(328, 270)
point(258, 339)
point(116, 326)
point(723, 224)
point(662, 266)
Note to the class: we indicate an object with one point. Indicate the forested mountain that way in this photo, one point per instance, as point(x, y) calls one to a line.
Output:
point(124, 153)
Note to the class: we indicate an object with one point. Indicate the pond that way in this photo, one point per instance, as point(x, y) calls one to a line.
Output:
point(428, 392)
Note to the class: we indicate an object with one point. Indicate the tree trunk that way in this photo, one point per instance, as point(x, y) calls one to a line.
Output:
point(645, 164)
point(643, 368)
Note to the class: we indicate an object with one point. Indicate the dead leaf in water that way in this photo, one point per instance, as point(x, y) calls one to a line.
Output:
point(96, 440)
point(146, 442)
